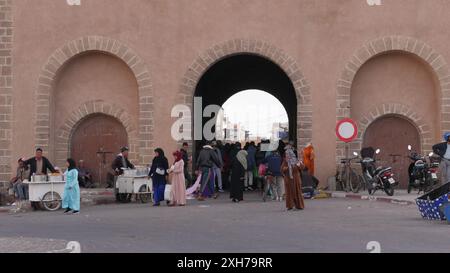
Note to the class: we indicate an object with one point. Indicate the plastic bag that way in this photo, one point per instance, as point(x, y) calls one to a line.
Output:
point(168, 193)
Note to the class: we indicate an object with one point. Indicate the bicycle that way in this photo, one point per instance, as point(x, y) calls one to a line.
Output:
point(347, 177)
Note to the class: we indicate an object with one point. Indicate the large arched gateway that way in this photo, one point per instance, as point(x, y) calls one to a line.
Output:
point(248, 71)
point(241, 64)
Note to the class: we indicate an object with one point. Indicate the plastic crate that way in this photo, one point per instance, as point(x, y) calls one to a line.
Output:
point(431, 204)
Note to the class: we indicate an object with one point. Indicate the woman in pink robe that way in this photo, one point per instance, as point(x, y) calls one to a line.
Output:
point(178, 181)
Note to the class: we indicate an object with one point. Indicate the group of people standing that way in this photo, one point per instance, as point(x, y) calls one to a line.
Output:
point(159, 173)
point(225, 166)
point(249, 168)
point(40, 165)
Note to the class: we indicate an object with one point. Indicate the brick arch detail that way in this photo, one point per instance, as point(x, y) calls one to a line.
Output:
point(266, 50)
point(388, 44)
point(398, 110)
point(90, 108)
point(71, 49)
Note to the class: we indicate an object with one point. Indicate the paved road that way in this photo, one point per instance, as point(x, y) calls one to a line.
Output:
point(329, 225)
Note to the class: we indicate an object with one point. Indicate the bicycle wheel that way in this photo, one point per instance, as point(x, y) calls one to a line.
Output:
point(354, 182)
point(344, 181)
point(362, 183)
point(337, 179)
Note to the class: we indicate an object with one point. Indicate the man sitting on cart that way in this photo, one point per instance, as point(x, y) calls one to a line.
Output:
point(39, 164)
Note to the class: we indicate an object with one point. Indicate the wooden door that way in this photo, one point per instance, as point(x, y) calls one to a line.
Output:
point(393, 135)
point(96, 141)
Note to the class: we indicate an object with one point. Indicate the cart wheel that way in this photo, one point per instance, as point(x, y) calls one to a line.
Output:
point(123, 197)
point(36, 205)
point(145, 197)
point(51, 201)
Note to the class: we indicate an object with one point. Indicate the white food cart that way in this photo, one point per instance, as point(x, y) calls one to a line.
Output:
point(134, 182)
point(46, 194)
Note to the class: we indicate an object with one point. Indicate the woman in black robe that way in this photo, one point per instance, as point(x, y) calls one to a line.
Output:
point(158, 173)
point(238, 168)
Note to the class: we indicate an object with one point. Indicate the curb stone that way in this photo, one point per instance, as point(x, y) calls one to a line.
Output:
point(370, 198)
point(86, 200)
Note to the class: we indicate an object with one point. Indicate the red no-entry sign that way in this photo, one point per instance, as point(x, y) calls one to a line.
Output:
point(346, 130)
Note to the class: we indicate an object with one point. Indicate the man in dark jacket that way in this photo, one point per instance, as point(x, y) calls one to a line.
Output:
point(443, 150)
point(260, 156)
point(251, 164)
point(274, 177)
point(218, 168)
point(39, 164)
point(186, 159)
point(121, 161)
point(205, 163)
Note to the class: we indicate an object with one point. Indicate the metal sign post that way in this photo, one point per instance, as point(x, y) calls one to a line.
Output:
point(347, 131)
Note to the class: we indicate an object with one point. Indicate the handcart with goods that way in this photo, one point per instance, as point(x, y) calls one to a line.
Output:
point(46, 191)
point(134, 182)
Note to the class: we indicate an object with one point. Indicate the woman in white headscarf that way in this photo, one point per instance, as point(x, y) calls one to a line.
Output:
point(239, 166)
point(292, 180)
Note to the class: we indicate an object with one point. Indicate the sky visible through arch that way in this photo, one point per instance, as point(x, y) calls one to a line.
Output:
point(256, 110)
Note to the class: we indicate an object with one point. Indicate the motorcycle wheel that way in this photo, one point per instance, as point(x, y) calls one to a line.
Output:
point(367, 184)
point(429, 187)
point(389, 190)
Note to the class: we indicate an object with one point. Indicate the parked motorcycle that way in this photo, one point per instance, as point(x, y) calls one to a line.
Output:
point(423, 174)
point(376, 178)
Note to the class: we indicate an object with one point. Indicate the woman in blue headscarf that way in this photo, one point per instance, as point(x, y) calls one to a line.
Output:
point(71, 196)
